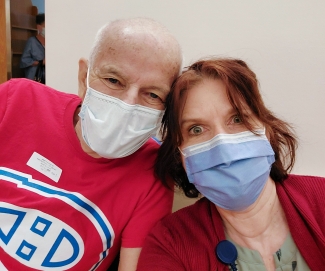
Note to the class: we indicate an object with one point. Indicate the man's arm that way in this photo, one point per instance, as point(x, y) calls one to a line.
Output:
point(129, 259)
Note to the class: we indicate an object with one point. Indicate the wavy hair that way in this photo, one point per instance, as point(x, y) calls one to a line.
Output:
point(242, 91)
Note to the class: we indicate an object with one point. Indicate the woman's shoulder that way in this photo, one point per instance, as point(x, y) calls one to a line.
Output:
point(198, 226)
point(307, 188)
point(304, 182)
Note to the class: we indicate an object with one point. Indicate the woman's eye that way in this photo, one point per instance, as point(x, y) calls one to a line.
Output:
point(196, 130)
point(237, 119)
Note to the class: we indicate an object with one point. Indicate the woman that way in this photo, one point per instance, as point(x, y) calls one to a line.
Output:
point(222, 142)
point(34, 52)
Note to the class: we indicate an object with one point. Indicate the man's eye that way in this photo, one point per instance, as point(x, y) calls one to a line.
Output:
point(237, 119)
point(113, 80)
point(153, 95)
point(113, 83)
point(153, 98)
point(196, 130)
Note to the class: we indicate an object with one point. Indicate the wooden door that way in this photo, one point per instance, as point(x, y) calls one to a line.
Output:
point(5, 51)
point(23, 26)
point(17, 24)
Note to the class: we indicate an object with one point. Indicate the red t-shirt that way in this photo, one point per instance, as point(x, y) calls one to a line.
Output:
point(76, 219)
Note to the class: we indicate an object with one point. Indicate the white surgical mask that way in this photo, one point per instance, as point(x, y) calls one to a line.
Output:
point(43, 32)
point(113, 128)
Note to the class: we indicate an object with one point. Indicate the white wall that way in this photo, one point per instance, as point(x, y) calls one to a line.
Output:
point(283, 42)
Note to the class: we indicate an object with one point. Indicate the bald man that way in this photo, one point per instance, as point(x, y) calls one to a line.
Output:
point(76, 172)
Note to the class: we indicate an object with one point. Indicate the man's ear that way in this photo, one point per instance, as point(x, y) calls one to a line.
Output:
point(82, 77)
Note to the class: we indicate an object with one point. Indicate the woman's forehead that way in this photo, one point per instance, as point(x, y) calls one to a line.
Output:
point(192, 96)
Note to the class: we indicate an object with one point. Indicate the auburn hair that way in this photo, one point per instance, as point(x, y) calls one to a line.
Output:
point(242, 90)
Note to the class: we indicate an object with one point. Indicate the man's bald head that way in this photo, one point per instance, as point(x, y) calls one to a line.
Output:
point(138, 34)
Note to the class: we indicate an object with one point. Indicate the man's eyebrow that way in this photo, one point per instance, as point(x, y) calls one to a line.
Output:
point(110, 69)
point(163, 89)
point(115, 71)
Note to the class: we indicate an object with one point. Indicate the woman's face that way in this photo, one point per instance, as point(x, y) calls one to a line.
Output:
point(207, 112)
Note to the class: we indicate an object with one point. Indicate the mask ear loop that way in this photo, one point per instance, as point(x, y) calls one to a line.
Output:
point(87, 80)
point(261, 131)
point(181, 151)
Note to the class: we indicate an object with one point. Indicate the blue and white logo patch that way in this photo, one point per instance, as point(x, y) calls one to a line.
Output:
point(40, 240)
point(37, 239)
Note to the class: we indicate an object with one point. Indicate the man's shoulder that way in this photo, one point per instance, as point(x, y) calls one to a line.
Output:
point(29, 87)
point(152, 144)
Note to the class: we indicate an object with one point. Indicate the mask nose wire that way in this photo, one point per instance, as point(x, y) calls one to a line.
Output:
point(262, 132)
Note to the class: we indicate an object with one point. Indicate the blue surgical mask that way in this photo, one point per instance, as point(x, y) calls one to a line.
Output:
point(230, 170)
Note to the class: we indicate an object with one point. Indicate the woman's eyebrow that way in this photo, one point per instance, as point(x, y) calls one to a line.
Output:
point(231, 111)
point(190, 120)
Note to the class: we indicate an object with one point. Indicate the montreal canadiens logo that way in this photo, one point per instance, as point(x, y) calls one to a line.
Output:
point(38, 240)
point(42, 241)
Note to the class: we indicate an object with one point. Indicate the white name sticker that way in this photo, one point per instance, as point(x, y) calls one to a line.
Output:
point(44, 166)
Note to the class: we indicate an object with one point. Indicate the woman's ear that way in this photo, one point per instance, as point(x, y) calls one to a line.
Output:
point(82, 77)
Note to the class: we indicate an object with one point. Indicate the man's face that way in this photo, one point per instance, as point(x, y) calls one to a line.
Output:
point(134, 71)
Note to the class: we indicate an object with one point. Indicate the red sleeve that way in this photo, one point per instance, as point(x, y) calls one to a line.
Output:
point(156, 205)
point(158, 252)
